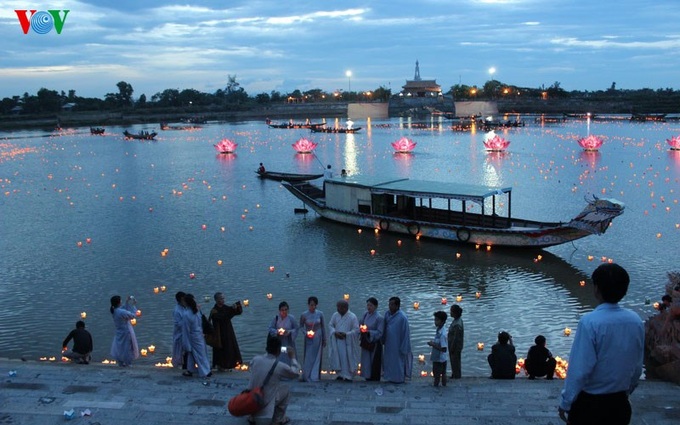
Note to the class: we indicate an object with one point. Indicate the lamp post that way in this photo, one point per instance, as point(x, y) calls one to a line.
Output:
point(349, 80)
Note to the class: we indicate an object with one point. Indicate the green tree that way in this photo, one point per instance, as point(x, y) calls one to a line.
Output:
point(124, 93)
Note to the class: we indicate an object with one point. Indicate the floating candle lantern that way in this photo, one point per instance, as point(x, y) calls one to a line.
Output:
point(480, 346)
point(567, 331)
point(143, 352)
point(399, 242)
point(404, 145)
point(458, 255)
point(80, 244)
point(206, 298)
point(416, 305)
point(656, 306)
point(421, 358)
point(192, 276)
point(163, 288)
point(225, 146)
point(478, 295)
point(152, 348)
point(459, 298)
point(203, 226)
point(590, 258)
point(246, 303)
point(133, 321)
point(269, 296)
point(373, 252)
point(138, 313)
point(83, 315)
point(444, 300)
point(488, 248)
point(376, 231)
point(219, 262)
point(88, 240)
point(271, 268)
point(590, 143)
point(310, 334)
point(423, 373)
point(359, 231)
point(582, 283)
point(156, 290)
point(304, 145)
point(346, 297)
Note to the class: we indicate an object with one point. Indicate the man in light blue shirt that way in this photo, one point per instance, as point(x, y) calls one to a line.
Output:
point(606, 358)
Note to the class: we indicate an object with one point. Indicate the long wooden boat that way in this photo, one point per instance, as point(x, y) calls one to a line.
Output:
point(424, 208)
point(648, 117)
point(335, 130)
point(97, 130)
point(142, 135)
point(292, 125)
point(290, 177)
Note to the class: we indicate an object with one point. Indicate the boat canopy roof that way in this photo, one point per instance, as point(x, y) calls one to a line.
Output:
point(424, 188)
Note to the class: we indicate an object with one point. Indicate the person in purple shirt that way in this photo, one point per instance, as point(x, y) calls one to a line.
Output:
point(606, 357)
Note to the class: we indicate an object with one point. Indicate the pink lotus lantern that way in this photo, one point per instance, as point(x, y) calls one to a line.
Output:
point(496, 144)
point(304, 145)
point(225, 146)
point(590, 143)
point(404, 145)
point(674, 142)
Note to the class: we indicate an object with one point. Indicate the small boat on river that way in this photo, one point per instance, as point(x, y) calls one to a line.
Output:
point(289, 177)
point(97, 130)
point(142, 135)
point(335, 130)
point(294, 125)
point(424, 208)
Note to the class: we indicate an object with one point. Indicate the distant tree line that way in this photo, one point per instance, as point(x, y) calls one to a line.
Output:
point(233, 97)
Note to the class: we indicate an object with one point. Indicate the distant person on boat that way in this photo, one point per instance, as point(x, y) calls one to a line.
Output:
point(82, 344)
point(455, 339)
point(343, 329)
point(261, 169)
point(540, 361)
point(371, 347)
point(313, 326)
point(228, 356)
point(179, 357)
point(503, 358)
point(606, 357)
point(343, 173)
point(124, 348)
point(284, 327)
point(397, 355)
point(328, 173)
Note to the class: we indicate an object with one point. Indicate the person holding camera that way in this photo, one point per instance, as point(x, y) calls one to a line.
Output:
point(228, 355)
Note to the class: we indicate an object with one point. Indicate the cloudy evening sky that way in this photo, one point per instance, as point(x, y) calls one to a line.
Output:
point(305, 44)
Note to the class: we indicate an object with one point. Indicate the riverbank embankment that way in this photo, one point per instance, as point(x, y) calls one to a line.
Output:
point(40, 392)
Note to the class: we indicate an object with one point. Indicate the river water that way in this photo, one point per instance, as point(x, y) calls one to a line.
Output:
point(86, 217)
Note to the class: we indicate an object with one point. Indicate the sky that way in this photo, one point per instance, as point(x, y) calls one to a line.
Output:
point(285, 45)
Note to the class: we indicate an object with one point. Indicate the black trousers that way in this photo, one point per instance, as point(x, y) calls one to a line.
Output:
point(598, 409)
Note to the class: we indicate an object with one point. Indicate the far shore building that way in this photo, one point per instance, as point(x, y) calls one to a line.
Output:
point(419, 88)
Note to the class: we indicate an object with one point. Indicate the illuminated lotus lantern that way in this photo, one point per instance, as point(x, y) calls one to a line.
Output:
point(674, 143)
point(225, 146)
point(404, 145)
point(590, 143)
point(304, 146)
point(496, 144)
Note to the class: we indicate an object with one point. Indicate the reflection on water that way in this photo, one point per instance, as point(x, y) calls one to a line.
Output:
point(592, 158)
point(240, 235)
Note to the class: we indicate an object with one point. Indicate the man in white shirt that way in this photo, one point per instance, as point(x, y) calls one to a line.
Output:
point(344, 340)
point(606, 357)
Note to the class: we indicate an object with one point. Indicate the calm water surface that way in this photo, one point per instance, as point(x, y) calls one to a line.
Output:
point(134, 199)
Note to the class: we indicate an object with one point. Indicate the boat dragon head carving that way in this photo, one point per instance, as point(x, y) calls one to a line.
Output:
point(598, 214)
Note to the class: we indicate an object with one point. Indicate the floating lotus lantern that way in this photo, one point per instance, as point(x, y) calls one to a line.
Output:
point(83, 315)
point(416, 305)
point(421, 358)
point(590, 143)
point(496, 144)
point(567, 331)
point(459, 298)
point(152, 348)
point(480, 346)
point(404, 145)
point(304, 145)
point(674, 143)
point(225, 146)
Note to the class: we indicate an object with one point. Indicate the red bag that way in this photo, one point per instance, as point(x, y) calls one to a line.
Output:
point(248, 402)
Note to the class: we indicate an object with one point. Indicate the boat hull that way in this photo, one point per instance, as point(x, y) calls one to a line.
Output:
point(290, 177)
point(522, 233)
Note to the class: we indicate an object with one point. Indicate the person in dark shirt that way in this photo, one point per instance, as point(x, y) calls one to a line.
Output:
point(502, 358)
point(82, 344)
point(540, 361)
